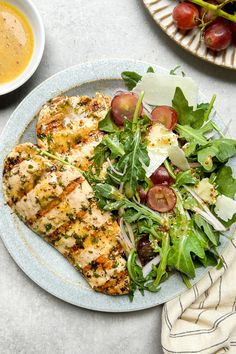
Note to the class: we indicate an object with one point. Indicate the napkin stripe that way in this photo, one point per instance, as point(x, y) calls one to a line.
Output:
point(195, 292)
point(167, 320)
point(203, 302)
point(196, 351)
point(203, 331)
point(198, 317)
point(225, 265)
point(219, 293)
point(210, 278)
point(181, 305)
point(234, 305)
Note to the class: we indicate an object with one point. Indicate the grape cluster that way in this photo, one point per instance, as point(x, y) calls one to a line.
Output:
point(218, 32)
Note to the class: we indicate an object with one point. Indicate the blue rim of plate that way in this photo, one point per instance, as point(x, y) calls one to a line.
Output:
point(22, 243)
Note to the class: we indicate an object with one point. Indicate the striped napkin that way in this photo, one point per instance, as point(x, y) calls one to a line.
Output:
point(203, 319)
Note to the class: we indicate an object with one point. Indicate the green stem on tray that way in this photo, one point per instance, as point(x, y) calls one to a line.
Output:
point(216, 9)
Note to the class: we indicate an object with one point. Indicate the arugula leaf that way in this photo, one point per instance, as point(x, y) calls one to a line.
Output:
point(210, 259)
point(203, 106)
point(194, 137)
point(115, 146)
point(107, 125)
point(185, 177)
point(220, 149)
point(107, 191)
point(174, 71)
point(225, 183)
point(101, 153)
point(131, 78)
point(161, 273)
point(186, 113)
point(150, 69)
point(184, 245)
point(226, 148)
point(189, 201)
point(110, 146)
point(208, 230)
point(205, 157)
point(136, 156)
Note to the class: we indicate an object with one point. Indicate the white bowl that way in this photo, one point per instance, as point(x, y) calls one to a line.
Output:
point(36, 23)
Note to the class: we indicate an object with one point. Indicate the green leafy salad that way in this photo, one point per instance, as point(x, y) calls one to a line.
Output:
point(167, 182)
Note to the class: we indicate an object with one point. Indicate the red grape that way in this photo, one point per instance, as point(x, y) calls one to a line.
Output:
point(145, 250)
point(123, 107)
point(233, 30)
point(186, 16)
point(161, 176)
point(165, 115)
point(142, 194)
point(161, 198)
point(218, 36)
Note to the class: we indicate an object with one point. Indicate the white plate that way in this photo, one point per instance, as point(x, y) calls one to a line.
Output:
point(43, 264)
point(161, 11)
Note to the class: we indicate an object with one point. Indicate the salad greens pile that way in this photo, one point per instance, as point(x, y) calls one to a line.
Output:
point(188, 236)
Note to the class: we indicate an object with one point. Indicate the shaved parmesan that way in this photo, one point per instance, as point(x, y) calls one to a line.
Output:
point(206, 191)
point(160, 89)
point(178, 158)
point(157, 157)
point(160, 137)
point(225, 207)
point(160, 140)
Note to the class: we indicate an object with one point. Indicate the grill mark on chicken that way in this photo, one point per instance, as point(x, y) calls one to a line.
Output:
point(66, 121)
point(80, 156)
point(54, 203)
point(24, 176)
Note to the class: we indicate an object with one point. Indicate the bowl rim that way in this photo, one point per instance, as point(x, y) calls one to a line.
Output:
point(27, 73)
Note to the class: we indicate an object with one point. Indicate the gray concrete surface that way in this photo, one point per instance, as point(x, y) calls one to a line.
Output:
point(32, 321)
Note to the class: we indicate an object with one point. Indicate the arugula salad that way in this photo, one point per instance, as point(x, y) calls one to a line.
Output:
point(166, 179)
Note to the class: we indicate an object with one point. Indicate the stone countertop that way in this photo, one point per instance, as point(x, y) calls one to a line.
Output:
point(31, 320)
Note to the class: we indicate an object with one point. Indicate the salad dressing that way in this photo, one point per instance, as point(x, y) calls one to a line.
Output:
point(16, 42)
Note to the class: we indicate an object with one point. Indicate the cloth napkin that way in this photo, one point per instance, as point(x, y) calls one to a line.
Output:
point(203, 319)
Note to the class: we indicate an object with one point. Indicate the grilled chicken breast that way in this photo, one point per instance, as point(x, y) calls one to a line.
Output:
point(65, 121)
point(56, 202)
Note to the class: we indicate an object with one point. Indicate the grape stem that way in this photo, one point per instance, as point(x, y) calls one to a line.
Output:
point(216, 9)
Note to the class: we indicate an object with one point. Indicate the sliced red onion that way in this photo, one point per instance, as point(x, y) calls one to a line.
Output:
point(124, 239)
point(114, 169)
point(148, 267)
point(130, 233)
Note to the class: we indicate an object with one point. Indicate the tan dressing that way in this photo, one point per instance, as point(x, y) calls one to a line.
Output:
point(16, 42)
